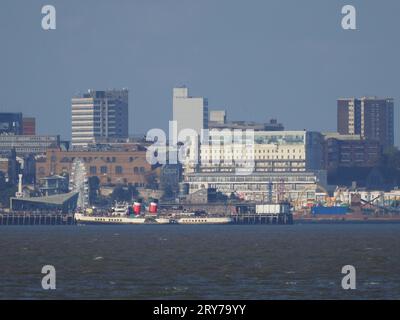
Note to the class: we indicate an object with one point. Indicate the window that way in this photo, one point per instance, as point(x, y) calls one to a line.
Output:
point(93, 170)
point(142, 170)
point(118, 170)
point(103, 169)
point(135, 170)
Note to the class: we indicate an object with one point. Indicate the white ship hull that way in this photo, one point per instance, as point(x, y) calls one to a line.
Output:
point(84, 219)
point(87, 219)
point(204, 220)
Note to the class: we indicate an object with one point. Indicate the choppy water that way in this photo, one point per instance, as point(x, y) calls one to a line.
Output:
point(201, 262)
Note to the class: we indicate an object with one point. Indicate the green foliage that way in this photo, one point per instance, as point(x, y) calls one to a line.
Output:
point(170, 186)
point(169, 191)
point(151, 181)
point(94, 186)
point(391, 158)
point(123, 193)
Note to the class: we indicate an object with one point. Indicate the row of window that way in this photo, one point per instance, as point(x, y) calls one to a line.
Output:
point(109, 220)
point(118, 170)
point(205, 159)
point(255, 151)
point(90, 159)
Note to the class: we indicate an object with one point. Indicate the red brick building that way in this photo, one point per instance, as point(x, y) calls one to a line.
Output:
point(111, 166)
point(351, 153)
point(28, 126)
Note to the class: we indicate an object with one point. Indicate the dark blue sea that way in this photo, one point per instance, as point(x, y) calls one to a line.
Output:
point(301, 261)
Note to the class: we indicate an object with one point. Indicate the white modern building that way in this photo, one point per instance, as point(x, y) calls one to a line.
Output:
point(189, 112)
point(280, 165)
point(99, 115)
point(270, 151)
point(300, 188)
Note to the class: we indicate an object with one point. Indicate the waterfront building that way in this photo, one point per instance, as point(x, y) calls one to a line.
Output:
point(280, 151)
point(370, 117)
point(280, 165)
point(52, 185)
point(99, 114)
point(65, 203)
point(300, 188)
point(111, 165)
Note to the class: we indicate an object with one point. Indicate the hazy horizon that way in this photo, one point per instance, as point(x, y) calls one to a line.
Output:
point(257, 59)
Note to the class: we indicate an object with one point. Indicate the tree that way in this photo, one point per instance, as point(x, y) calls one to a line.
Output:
point(122, 193)
point(169, 180)
point(169, 191)
point(151, 181)
point(391, 158)
point(94, 186)
point(132, 191)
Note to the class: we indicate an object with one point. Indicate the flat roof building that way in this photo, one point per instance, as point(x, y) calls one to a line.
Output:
point(25, 145)
point(272, 125)
point(99, 114)
point(64, 203)
point(10, 123)
point(350, 151)
point(267, 151)
point(370, 117)
point(111, 166)
point(29, 126)
point(299, 187)
point(189, 112)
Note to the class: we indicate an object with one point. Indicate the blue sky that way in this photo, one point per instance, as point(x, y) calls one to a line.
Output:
point(257, 59)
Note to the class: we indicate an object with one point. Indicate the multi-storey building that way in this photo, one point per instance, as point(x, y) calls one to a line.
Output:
point(189, 112)
point(259, 166)
point(112, 166)
point(26, 145)
point(272, 125)
point(281, 151)
point(350, 151)
point(370, 117)
point(9, 166)
point(29, 126)
point(10, 123)
point(98, 115)
point(300, 188)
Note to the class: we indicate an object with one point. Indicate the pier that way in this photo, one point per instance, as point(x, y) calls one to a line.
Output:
point(262, 219)
point(36, 219)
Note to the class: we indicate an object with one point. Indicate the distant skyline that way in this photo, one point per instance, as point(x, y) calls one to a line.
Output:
point(283, 59)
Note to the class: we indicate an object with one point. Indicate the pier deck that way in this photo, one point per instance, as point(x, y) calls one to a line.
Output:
point(36, 219)
point(262, 218)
